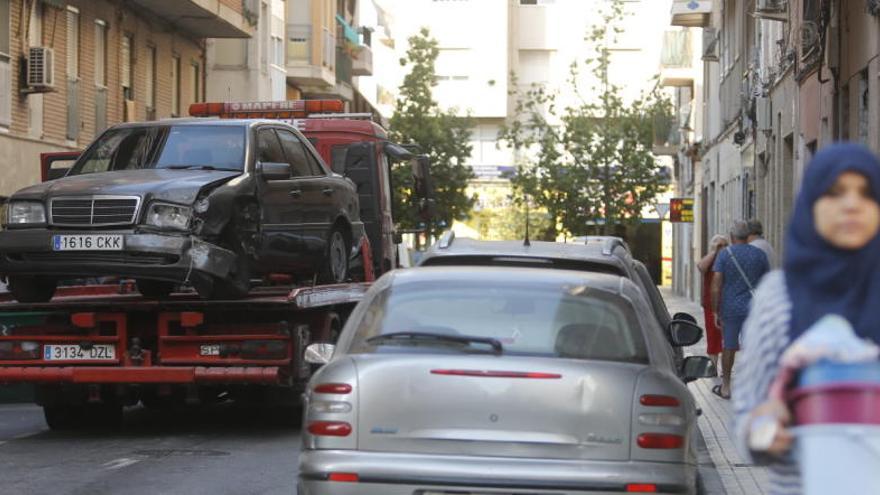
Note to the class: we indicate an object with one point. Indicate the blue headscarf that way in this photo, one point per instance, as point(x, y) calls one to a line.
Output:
point(821, 278)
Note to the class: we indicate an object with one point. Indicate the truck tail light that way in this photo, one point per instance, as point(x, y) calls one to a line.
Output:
point(660, 441)
point(329, 428)
point(19, 350)
point(264, 349)
point(332, 388)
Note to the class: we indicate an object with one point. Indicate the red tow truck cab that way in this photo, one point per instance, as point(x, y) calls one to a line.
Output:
point(95, 348)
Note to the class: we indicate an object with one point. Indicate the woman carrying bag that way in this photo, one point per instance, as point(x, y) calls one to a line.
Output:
point(831, 266)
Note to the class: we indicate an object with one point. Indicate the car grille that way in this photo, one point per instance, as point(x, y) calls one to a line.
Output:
point(82, 257)
point(94, 211)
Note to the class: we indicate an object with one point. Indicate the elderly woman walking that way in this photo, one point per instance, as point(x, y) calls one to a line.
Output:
point(831, 266)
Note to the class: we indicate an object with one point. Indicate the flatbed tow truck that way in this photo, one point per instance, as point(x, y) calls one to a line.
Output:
point(94, 349)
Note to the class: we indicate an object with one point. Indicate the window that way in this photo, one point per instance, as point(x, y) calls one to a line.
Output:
point(126, 54)
point(196, 82)
point(175, 86)
point(277, 51)
point(527, 321)
point(5, 70)
point(298, 157)
point(268, 147)
point(72, 44)
point(150, 81)
point(100, 53)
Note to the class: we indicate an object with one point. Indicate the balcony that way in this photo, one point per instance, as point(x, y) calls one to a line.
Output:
point(359, 53)
point(676, 59)
point(362, 62)
point(691, 13)
point(311, 60)
point(201, 18)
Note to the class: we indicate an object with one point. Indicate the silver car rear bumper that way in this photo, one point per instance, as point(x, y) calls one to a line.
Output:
point(415, 474)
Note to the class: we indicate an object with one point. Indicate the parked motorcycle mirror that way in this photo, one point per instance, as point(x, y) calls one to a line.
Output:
point(273, 170)
point(319, 353)
point(694, 367)
point(683, 333)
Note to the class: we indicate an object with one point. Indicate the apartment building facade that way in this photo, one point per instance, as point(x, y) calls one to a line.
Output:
point(69, 69)
point(783, 78)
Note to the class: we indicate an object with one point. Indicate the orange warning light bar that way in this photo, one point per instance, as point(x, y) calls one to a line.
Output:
point(291, 109)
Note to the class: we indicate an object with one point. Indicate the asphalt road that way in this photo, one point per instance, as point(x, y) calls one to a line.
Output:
point(217, 450)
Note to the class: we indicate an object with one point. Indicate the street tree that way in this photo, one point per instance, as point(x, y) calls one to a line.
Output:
point(590, 163)
point(443, 135)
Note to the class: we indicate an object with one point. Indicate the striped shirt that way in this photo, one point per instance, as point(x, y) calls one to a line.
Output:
point(764, 339)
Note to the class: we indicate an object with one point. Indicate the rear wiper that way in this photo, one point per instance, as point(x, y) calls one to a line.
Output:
point(426, 336)
point(197, 167)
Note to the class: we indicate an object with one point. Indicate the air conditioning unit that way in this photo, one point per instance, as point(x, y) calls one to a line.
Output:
point(772, 10)
point(40, 69)
point(710, 44)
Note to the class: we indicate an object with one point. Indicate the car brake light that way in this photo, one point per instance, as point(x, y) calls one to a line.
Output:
point(332, 388)
point(348, 477)
point(498, 374)
point(641, 488)
point(660, 441)
point(330, 428)
point(659, 401)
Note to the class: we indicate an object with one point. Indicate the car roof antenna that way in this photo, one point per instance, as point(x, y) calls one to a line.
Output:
point(527, 242)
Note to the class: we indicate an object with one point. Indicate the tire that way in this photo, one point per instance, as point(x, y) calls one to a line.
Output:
point(334, 268)
point(32, 289)
point(155, 289)
point(64, 417)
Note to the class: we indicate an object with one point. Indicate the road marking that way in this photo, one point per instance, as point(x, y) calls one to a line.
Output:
point(120, 463)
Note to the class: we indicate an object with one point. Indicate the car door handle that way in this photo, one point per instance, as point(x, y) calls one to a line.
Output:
point(296, 193)
point(327, 191)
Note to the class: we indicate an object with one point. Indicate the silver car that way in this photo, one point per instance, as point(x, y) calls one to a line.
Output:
point(473, 380)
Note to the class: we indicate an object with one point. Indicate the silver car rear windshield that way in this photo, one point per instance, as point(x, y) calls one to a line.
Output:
point(572, 323)
point(165, 146)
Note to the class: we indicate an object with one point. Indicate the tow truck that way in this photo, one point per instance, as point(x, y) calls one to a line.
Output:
point(97, 347)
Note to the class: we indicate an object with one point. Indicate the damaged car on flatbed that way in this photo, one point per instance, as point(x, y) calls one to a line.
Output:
point(211, 203)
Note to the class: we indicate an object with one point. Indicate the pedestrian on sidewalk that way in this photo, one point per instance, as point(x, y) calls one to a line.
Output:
point(738, 269)
point(831, 266)
point(756, 238)
point(713, 333)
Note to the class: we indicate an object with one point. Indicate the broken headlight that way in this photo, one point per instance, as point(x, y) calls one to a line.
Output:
point(168, 216)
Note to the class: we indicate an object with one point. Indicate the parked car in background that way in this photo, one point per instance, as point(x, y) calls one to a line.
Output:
point(479, 379)
point(212, 203)
point(601, 254)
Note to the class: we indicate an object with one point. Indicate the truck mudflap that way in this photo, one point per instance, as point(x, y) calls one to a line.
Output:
point(270, 375)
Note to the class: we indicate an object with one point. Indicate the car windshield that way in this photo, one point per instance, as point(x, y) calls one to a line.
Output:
point(177, 147)
point(575, 322)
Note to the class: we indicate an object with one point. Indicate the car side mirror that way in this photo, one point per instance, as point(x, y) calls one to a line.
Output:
point(319, 353)
point(694, 367)
point(685, 317)
point(273, 170)
point(683, 333)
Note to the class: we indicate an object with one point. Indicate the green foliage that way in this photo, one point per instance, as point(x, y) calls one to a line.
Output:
point(590, 162)
point(443, 135)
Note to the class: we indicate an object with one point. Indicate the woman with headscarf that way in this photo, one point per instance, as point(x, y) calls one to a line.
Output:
point(713, 333)
point(831, 266)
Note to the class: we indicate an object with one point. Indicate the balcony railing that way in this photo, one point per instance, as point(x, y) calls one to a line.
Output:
point(343, 66)
point(299, 44)
point(677, 51)
point(667, 134)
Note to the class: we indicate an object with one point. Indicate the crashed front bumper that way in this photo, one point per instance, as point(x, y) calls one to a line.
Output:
point(170, 257)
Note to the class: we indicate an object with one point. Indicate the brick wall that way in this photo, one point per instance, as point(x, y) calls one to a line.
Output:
point(146, 31)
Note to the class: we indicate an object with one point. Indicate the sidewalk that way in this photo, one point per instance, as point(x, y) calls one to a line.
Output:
point(737, 476)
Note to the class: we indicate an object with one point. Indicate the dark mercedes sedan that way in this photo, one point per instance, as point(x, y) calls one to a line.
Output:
point(204, 202)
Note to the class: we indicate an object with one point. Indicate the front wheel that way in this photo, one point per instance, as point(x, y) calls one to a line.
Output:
point(335, 267)
point(32, 289)
point(64, 417)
